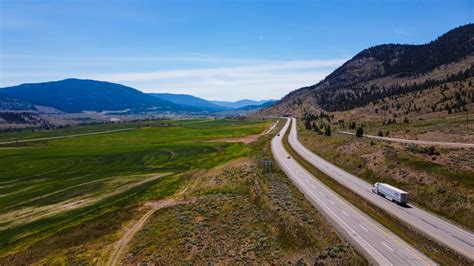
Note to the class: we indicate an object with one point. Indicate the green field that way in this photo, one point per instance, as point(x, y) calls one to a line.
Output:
point(46, 186)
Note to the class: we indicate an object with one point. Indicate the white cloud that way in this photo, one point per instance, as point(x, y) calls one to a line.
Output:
point(232, 80)
point(221, 71)
point(260, 81)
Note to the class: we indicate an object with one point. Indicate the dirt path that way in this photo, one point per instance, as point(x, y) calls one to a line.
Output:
point(121, 245)
point(419, 142)
point(66, 136)
point(247, 139)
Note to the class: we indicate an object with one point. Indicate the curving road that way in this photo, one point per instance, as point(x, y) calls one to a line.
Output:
point(372, 239)
point(419, 142)
point(456, 238)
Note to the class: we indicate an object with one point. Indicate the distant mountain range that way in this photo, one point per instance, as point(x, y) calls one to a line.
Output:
point(265, 104)
point(385, 71)
point(240, 104)
point(77, 95)
point(189, 100)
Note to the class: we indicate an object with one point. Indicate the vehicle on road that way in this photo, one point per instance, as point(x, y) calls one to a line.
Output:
point(391, 193)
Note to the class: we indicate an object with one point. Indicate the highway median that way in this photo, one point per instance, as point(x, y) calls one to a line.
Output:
point(434, 250)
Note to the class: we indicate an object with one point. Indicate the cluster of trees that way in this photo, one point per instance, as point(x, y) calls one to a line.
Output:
point(320, 128)
point(316, 123)
point(21, 118)
point(413, 60)
point(362, 96)
point(320, 116)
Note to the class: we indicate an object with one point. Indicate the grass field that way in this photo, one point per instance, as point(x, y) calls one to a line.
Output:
point(237, 213)
point(49, 186)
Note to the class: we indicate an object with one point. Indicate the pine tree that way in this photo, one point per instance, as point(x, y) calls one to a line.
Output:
point(327, 131)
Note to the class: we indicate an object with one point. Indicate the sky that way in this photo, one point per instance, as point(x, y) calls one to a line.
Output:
point(218, 50)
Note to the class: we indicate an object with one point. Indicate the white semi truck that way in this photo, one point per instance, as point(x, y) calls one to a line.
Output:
point(391, 193)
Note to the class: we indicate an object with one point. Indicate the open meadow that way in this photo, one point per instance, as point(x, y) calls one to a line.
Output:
point(51, 185)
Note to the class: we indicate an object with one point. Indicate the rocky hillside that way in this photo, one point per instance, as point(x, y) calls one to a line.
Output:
point(387, 71)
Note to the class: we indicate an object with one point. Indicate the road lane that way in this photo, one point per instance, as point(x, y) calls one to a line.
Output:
point(455, 237)
point(379, 244)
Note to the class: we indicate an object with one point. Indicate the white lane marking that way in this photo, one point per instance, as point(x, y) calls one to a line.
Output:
point(332, 202)
point(440, 220)
point(331, 169)
point(345, 213)
point(387, 246)
point(337, 217)
point(365, 229)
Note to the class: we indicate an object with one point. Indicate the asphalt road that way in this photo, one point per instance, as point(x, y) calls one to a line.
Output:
point(455, 237)
point(419, 142)
point(372, 239)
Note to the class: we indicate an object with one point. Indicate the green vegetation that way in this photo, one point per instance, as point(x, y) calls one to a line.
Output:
point(431, 248)
point(52, 186)
point(238, 213)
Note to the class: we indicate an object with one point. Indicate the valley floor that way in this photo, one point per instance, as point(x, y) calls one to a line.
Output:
point(154, 193)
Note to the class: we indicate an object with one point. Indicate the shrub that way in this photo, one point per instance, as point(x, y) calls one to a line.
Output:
point(327, 130)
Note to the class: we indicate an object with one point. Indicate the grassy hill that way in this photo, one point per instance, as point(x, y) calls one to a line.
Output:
point(76, 95)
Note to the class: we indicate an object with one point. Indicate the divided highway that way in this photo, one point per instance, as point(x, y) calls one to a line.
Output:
point(435, 227)
point(378, 244)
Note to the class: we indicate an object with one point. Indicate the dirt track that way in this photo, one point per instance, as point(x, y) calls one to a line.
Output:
point(419, 142)
point(66, 136)
point(121, 245)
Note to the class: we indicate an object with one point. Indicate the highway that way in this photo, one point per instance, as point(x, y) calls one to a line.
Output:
point(419, 142)
point(455, 237)
point(377, 243)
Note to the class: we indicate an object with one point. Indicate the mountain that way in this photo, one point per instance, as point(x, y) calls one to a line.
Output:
point(387, 70)
point(12, 104)
point(258, 106)
point(190, 100)
point(77, 95)
point(239, 104)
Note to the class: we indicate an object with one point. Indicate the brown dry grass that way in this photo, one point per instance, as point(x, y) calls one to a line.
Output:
point(241, 215)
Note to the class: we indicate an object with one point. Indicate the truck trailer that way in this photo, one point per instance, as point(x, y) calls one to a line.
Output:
point(391, 193)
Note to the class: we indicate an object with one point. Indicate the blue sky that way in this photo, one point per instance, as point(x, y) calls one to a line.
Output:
point(224, 50)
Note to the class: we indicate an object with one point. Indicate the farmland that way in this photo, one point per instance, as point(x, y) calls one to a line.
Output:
point(71, 200)
point(47, 186)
